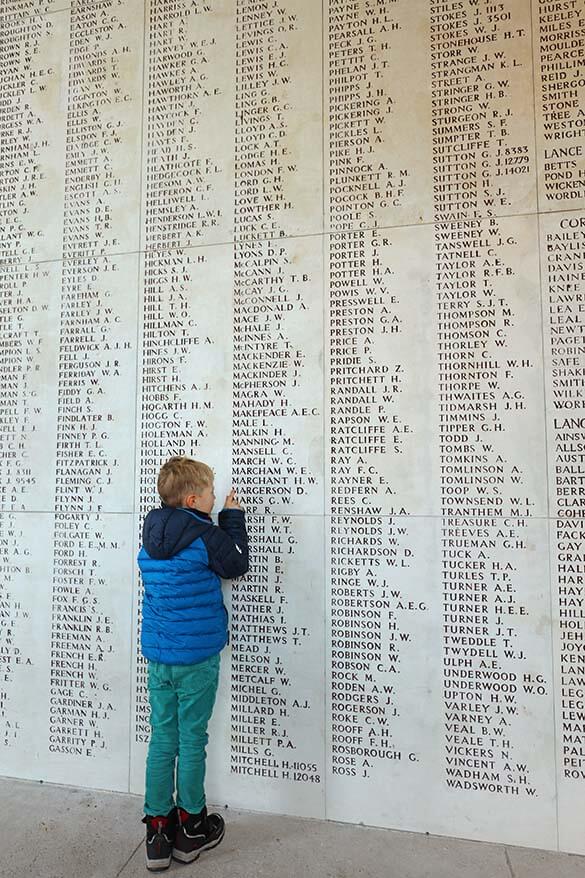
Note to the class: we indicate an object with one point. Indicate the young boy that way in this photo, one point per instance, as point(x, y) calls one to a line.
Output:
point(184, 628)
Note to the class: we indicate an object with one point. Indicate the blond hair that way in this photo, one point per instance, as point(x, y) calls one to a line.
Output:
point(181, 476)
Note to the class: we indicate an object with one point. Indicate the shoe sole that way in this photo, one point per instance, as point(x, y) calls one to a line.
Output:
point(182, 857)
point(158, 865)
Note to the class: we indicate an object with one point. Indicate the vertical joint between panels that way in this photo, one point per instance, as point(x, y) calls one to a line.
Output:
point(325, 308)
point(141, 256)
point(546, 436)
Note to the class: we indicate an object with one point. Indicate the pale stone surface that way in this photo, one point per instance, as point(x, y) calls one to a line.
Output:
point(188, 133)
point(97, 607)
point(26, 604)
point(384, 149)
point(407, 767)
point(63, 837)
point(393, 325)
point(36, 49)
point(336, 252)
point(185, 319)
point(387, 772)
point(102, 170)
point(559, 111)
point(31, 324)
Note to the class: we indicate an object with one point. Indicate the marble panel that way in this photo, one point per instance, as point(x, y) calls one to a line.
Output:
point(481, 85)
point(435, 355)
point(384, 674)
point(562, 237)
point(104, 129)
point(97, 384)
point(378, 143)
point(87, 736)
point(26, 542)
point(29, 349)
point(490, 371)
point(279, 120)
point(33, 85)
point(440, 692)
point(559, 105)
point(188, 125)
point(563, 289)
point(278, 391)
point(185, 385)
point(567, 539)
point(508, 678)
point(381, 388)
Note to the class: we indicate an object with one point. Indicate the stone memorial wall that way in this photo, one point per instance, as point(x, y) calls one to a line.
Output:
point(337, 251)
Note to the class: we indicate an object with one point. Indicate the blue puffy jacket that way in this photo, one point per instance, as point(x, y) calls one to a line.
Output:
point(182, 558)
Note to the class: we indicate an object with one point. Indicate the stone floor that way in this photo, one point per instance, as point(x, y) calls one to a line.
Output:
point(61, 832)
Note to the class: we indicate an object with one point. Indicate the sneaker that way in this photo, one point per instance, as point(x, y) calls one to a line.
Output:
point(160, 837)
point(197, 833)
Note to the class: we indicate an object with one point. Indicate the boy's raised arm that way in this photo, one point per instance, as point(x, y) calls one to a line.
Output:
point(227, 545)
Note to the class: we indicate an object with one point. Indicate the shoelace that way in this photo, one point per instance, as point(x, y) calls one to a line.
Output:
point(184, 818)
point(158, 827)
point(194, 835)
point(155, 836)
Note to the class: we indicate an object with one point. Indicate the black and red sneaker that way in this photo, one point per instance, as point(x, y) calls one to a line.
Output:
point(160, 838)
point(197, 833)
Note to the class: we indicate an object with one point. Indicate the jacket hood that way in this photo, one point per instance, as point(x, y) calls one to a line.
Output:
point(169, 530)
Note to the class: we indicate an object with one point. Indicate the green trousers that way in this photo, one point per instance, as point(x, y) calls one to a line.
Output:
point(181, 702)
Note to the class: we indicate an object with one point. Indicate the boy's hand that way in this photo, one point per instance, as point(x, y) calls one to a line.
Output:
point(231, 501)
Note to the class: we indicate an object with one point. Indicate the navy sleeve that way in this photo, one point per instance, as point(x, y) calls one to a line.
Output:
point(227, 545)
